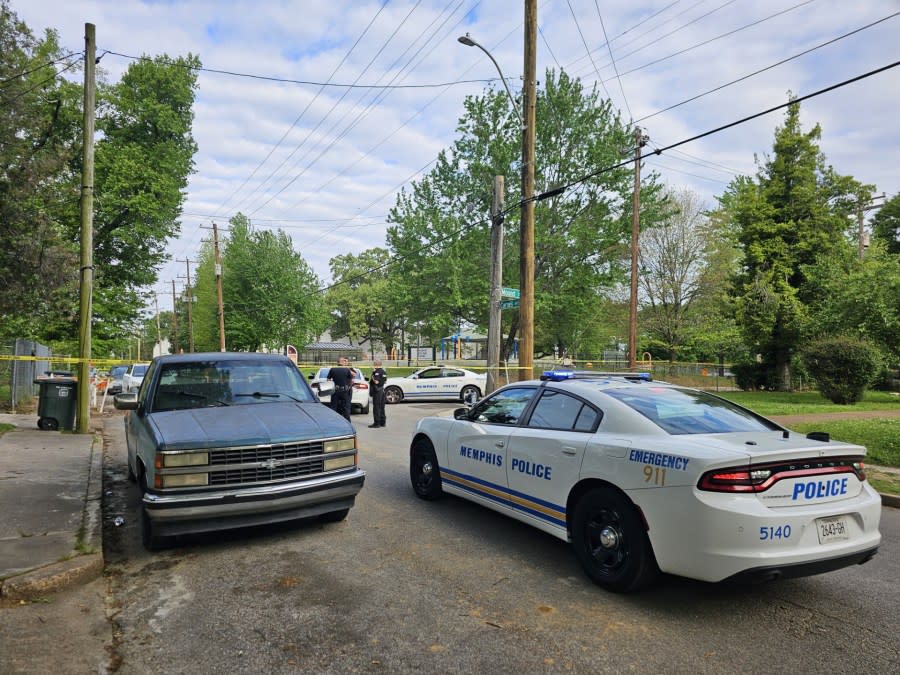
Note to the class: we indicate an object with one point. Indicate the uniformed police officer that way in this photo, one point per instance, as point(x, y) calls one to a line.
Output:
point(342, 376)
point(376, 386)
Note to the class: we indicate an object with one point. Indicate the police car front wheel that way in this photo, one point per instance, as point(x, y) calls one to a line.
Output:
point(423, 470)
point(611, 543)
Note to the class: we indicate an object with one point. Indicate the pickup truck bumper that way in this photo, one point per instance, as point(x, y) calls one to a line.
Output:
point(239, 507)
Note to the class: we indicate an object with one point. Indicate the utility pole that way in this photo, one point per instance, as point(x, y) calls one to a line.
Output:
point(190, 301)
point(863, 237)
point(495, 323)
point(526, 237)
point(640, 140)
point(83, 411)
point(158, 331)
point(221, 308)
point(174, 320)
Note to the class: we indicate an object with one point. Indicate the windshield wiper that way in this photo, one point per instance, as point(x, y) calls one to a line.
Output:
point(191, 394)
point(269, 394)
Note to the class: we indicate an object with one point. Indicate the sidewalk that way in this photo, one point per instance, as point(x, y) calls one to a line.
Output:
point(50, 498)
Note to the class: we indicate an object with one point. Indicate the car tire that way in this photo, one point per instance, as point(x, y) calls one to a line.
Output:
point(467, 392)
point(151, 540)
point(334, 516)
point(393, 395)
point(424, 472)
point(611, 543)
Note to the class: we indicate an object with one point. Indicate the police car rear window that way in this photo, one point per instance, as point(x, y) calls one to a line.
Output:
point(683, 411)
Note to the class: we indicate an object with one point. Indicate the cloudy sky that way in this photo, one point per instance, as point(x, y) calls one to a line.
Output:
point(285, 139)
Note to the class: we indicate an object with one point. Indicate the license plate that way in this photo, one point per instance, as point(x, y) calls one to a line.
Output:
point(832, 529)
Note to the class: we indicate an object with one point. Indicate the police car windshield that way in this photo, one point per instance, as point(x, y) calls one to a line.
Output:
point(683, 411)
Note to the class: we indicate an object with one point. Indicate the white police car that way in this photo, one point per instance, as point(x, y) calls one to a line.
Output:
point(436, 382)
point(644, 477)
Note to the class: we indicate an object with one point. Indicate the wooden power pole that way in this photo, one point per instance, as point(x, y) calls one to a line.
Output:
point(190, 305)
point(220, 310)
point(83, 410)
point(640, 140)
point(526, 236)
point(174, 320)
point(495, 324)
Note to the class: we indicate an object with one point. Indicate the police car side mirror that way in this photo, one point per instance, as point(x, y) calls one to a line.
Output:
point(461, 414)
point(310, 376)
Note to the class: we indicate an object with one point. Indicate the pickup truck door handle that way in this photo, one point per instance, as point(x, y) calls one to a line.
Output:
point(569, 450)
point(499, 444)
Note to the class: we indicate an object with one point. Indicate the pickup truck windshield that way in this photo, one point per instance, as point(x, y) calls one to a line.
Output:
point(202, 384)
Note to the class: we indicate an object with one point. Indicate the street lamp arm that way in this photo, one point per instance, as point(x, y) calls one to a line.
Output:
point(469, 42)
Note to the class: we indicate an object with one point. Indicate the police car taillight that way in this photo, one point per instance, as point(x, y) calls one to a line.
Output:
point(761, 477)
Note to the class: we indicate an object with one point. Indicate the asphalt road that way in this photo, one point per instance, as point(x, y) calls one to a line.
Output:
point(404, 585)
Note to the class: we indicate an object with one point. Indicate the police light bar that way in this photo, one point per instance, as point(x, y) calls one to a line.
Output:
point(560, 375)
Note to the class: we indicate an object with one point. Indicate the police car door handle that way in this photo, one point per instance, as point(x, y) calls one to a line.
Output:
point(568, 450)
point(499, 444)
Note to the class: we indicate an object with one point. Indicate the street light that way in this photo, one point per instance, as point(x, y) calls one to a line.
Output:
point(526, 226)
point(469, 42)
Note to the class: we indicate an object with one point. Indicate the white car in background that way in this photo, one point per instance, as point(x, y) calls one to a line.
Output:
point(133, 377)
point(436, 382)
point(645, 477)
point(359, 401)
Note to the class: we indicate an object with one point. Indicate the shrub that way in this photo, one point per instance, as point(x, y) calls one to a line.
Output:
point(842, 367)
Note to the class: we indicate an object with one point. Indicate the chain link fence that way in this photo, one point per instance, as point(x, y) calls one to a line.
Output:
point(17, 375)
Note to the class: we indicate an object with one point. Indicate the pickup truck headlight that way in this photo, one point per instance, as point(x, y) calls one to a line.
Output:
point(170, 461)
point(339, 445)
point(340, 462)
point(184, 480)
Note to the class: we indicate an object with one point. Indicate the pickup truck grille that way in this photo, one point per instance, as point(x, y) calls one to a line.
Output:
point(282, 461)
point(263, 453)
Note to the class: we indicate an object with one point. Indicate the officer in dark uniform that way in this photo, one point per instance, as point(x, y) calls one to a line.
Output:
point(342, 376)
point(376, 386)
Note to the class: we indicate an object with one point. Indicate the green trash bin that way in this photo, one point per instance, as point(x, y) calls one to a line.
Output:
point(57, 403)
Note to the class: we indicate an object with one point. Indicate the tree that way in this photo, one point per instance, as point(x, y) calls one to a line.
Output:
point(361, 300)
point(142, 164)
point(796, 209)
point(886, 224)
point(143, 157)
point(270, 294)
point(672, 264)
point(861, 298)
point(440, 228)
point(39, 140)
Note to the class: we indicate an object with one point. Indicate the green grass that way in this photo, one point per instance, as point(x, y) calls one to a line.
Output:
point(6, 427)
point(808, 402)
point(881, 436)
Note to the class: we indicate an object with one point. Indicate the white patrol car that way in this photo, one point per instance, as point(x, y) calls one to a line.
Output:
point(644, 477)
point(436, 382)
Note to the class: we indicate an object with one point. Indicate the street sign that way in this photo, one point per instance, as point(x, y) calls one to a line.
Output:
point(509, 304)
point(510, 293)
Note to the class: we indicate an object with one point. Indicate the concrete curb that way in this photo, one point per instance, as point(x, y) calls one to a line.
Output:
point(80, 569)
point(892, 501)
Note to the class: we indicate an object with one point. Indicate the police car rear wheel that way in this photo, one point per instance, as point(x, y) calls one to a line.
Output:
point(610, 541)
point(424, 472)
point(393, 395)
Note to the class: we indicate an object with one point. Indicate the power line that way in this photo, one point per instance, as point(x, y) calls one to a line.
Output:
point(615, 68)
point(658, 151)
point(588, 50)
point(769, 67)
point(37, 68)
point(297, 120)
point(286, 80)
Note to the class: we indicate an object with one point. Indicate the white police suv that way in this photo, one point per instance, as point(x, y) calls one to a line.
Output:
point(645, 476)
